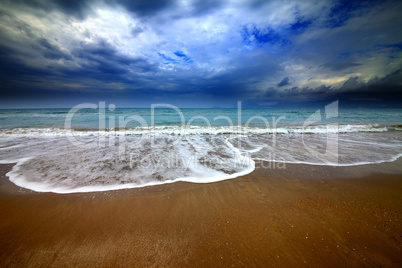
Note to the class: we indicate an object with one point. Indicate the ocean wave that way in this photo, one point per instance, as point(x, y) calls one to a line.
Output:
point(361, 163)
point(47, 161)
point(199, 130)
point(66, 168)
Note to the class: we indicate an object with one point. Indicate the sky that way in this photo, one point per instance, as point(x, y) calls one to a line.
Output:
point(204, 53)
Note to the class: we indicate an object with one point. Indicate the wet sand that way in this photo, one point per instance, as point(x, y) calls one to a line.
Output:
point(312, 216)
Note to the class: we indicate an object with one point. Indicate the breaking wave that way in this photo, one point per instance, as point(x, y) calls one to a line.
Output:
point(48, 161)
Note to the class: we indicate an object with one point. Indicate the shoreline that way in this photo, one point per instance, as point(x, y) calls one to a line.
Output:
point(269, 168)
point(302, 215)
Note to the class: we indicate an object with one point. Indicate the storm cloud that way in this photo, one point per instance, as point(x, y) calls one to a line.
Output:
point(199, 53)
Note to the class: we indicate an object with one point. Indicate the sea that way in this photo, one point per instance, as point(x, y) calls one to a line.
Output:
point(98, 147)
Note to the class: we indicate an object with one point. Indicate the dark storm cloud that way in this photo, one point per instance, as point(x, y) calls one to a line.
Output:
point(101, 62)
point(339, 66)
point(284, 82)
point(142, 8)
point(298, 93)
point(384, 91)
point(204, 51)
point(205, 6)
point(104, 55)
point(387, 86)
point(300, 25)
point(75, 8)
point(50, 51)
point(376, 93)
point(16, 75)
point(344, 10)
point(81, 8)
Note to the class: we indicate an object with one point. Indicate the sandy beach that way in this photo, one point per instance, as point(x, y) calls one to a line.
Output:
point(304, 215)
point(188, 133)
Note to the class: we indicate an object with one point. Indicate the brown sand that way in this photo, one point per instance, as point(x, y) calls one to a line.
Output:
point(296, 217)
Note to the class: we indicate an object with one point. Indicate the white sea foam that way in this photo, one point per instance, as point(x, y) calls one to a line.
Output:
point(353, 148)
point(388, 160)
point(196, 130)
point(55, 165)
point(48, 162)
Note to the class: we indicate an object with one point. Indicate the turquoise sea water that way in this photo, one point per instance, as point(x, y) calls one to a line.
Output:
point(89, 118)
point(99, 149)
